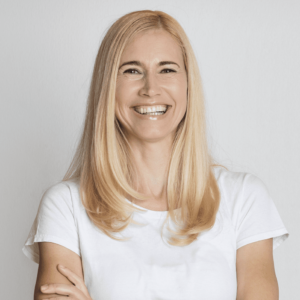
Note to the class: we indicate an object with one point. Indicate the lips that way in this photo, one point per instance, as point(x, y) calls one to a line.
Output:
point(152, 115)
point(151, 109)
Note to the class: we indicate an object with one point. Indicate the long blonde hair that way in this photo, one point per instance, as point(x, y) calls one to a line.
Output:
point(102, 161)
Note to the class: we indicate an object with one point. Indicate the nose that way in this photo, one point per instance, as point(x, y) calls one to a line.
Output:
point(151, 86)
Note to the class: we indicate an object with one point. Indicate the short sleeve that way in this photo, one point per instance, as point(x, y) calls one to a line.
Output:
point(256, 216)
point(54, 222)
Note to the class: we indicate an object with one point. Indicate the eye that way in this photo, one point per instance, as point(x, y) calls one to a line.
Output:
point(168, 71)
point(132, 71)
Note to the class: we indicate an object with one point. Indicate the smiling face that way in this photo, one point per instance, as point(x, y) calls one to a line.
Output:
point(151, 77)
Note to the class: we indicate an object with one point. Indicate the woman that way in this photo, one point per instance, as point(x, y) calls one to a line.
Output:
point(143, 213)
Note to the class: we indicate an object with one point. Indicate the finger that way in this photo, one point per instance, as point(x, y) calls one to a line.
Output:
point(58, 288)
point(74, 278)
point(60, 298)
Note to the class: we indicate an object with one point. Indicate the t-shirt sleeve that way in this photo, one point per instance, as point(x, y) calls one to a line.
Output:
point(256, 217)
point(54, 222)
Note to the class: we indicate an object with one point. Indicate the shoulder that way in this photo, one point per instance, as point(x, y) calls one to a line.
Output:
point(238, 190)
point(229, 182)
point(61, 193)
point(63, 188)
point(250, 207)
point(227, 177)
point(237, 182)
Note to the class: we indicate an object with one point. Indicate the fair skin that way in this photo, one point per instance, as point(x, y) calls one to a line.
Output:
point(150, 83)
point(151, 140)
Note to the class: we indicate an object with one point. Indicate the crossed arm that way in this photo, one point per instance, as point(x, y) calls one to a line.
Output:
point(256, 279)
point(51, 255)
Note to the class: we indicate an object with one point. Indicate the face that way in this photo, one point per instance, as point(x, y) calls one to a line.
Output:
point(151, 79)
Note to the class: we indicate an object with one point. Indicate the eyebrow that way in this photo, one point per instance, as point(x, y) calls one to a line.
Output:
point(138, 63)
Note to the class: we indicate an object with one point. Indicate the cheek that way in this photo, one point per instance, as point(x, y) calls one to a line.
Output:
point(119, 88)
point(179, 92)
point(119, 103)
point(177, 84)
point(124, 91)
point(123, 99)
point(180, 97)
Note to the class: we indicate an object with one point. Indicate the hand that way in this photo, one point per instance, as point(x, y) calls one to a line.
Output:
point(76, 292)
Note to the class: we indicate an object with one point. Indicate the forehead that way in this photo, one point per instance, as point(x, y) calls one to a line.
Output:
point(155, 44)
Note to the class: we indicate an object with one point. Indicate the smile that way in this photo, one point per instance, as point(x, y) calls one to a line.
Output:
point(152, 115)
point(154, 110)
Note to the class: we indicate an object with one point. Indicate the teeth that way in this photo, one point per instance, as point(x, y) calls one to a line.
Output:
point(153, 113)
point(158, 109)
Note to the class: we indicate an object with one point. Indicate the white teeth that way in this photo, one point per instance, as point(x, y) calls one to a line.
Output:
point(153, 113)
point(157, 109)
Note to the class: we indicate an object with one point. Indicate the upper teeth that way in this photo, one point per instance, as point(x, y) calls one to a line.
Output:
point(146, 109)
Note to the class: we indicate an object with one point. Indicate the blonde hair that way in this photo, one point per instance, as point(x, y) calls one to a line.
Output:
point(102, 161)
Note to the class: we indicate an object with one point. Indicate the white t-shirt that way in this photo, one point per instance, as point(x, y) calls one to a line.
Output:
point(147, 267)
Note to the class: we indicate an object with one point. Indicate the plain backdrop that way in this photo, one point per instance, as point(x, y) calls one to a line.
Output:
point(248, 55)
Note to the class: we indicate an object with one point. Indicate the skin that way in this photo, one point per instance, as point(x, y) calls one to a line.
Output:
point(256, 278)
point(149, 82)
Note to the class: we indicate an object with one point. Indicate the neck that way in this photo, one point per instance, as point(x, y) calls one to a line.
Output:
point(150, 162)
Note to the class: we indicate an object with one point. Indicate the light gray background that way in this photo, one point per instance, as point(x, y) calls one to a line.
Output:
point(248, 53)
